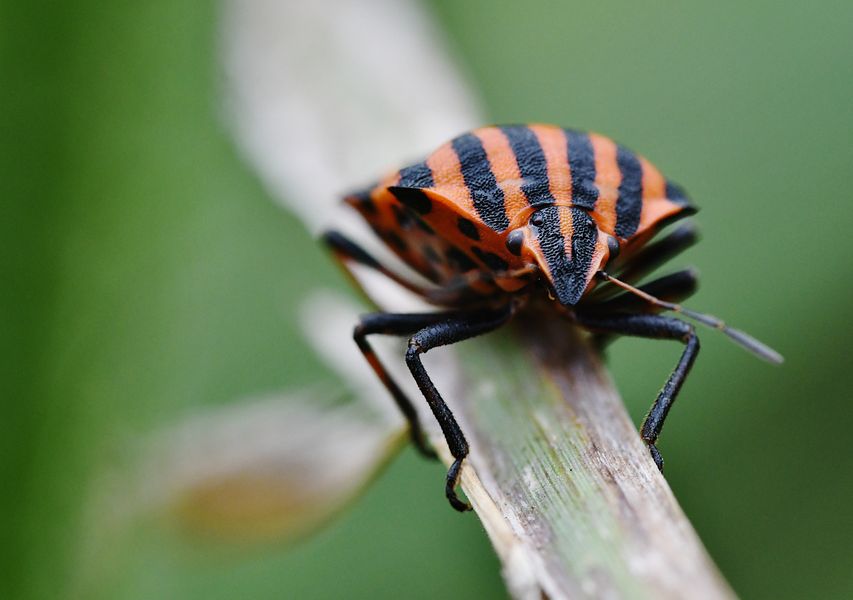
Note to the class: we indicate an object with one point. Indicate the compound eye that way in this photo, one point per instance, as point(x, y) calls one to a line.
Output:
point(514, 242)
point(537, 220)
point(613, 246)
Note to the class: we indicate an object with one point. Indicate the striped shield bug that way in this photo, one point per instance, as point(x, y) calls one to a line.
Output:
point(500, 216)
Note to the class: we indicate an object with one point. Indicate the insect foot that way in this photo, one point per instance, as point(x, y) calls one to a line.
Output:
point(450, 487)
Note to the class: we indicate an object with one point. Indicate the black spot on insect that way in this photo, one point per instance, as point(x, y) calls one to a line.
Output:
point(395, 241)
point(514, 241)
point(468, 229)
point(459, 260)
point(431, 273)
point(431, 255)
point(414, 198)
point(493, 261)
point(369, 206)
point(613, 246)
point(404, 217)
point(424, 226)
point(362, 201)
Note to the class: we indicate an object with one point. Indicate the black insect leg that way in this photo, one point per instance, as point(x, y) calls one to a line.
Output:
point(345, 250)
point(660, 327)
point(396, 324)
point(446, 332)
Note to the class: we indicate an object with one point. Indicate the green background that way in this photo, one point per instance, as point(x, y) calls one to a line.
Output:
point(145, 272)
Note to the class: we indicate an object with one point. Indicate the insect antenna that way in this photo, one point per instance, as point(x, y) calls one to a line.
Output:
point(744, 340)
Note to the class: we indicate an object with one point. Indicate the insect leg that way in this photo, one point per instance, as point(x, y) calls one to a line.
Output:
point(396, 324)
point(660, 327)
point(446, 332)
point(345, 250)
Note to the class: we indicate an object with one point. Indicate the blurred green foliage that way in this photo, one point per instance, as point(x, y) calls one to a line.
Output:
point(145, 272)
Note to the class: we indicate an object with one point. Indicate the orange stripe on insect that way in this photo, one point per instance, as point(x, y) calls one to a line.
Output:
point(447, 177)
point(505, 168)
point(654, 184)
point(656, 206)
point(607, 180)
point(554, 147)
point(567, 229)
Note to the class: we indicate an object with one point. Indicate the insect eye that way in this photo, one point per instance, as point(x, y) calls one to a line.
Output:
point(514, 241)
point(613, 246)
point(536, 220)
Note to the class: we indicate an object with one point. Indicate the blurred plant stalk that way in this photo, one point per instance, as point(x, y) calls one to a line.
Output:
point(324, 96)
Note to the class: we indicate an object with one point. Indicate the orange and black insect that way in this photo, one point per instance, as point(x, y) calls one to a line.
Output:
point(502, 215)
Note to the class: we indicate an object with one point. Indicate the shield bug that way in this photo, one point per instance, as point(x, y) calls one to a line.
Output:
point(499, 216)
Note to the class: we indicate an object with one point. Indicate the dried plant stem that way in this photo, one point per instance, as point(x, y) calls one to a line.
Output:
point(565, 488)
